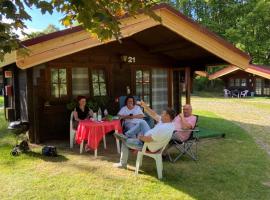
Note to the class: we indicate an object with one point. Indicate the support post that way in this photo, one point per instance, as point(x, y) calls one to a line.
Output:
point(188, 84)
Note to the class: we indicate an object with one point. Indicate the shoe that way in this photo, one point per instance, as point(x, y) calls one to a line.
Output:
point(120, 166)
point(120, 136)
point(165, 157)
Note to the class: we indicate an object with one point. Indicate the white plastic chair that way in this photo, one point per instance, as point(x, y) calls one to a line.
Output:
point(155, 155)
point(244, 93)
point(227, 93)
point(71, 130)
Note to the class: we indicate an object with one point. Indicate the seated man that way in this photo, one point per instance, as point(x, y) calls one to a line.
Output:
point(131, 113)
point(184, 120)
point(156, 137)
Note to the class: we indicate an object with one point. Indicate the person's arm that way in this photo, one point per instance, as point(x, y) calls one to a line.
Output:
point(145, 138)
point(149, 111)
point(139, 116)
point(75, 114)
point(125, 116)
point(184, 123)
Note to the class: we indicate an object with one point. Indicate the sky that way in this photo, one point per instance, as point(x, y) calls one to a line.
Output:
point(40, 22)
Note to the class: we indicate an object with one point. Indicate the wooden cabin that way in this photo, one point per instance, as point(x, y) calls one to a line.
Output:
point(155, 60)
point(255, 79)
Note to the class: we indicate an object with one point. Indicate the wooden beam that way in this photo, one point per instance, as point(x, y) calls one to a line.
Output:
point(169, 47)
point(188, 84)
point(191, 32)
point(63, 46)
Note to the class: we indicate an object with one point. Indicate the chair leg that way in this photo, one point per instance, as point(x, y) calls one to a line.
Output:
point(95, 153)
point(141, 159)
point(81, 147)
point(117, 145)
point(138, 162)
point(71, 135)
point(159, 166)
point(182, 150)
point(104, 142)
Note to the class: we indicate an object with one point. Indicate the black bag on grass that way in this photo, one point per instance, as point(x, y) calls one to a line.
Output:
point(49, 151)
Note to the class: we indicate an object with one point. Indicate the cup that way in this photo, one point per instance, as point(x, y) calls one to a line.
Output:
point(95, 116)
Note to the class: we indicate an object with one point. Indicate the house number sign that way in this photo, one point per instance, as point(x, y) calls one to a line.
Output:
point(131, 59)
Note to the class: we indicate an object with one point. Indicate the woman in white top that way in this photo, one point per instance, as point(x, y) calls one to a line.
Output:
point(131, 113)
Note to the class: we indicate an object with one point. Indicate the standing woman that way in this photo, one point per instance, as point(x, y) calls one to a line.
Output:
point(81, 112)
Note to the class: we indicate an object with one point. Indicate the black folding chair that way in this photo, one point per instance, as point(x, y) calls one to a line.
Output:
point(188, 147)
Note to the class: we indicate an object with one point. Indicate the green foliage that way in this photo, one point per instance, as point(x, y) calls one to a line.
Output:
point(12, 17)
point(204, 84)
point(245, 23)
point(1, 101)
point(71, 105)
point(98, 17)
point(103, 102)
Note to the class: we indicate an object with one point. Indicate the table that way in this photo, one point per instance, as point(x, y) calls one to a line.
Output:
point(94, 131)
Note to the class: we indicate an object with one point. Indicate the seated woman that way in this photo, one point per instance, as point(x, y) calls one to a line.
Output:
point(81, 112)
point(131, 113)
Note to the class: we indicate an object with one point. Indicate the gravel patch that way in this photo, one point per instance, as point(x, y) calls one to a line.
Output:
point(249, 115)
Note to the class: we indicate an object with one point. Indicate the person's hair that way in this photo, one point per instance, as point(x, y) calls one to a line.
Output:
point(80, 97)
point(171, 113)
point(130, 97)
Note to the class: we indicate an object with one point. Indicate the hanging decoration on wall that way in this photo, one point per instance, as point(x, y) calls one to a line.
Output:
point(8, 74)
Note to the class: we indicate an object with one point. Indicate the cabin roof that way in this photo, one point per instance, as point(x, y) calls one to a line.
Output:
point(65, 42)
point(262, 71)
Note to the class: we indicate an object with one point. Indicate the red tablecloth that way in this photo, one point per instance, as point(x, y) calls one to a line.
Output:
point(93, 132)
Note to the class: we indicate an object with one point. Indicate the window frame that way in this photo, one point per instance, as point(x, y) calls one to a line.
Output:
point(134, 81)
point(58, 66)
point(91, 83)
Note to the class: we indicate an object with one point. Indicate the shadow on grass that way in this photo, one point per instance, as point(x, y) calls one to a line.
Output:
point(229, 168)
point(58, 158)
point(223, 169)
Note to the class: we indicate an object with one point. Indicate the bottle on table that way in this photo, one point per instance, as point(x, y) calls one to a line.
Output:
point(99, 116)
point(106, 113)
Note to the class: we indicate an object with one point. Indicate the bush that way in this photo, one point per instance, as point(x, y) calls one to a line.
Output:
point(203, 84)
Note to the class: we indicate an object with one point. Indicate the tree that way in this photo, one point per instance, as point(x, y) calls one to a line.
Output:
point(245, 23)
point(50, 29)
point(96, 16)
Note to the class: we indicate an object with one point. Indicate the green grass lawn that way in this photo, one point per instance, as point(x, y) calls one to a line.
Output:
point(230, 168)
point(1, 101)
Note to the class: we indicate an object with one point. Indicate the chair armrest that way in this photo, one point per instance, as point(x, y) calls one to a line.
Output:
point(144, 147)
point(192, 130)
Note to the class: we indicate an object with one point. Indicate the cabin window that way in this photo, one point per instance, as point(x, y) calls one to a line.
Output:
point(258, 86)
point(266, 90)
point(159, 89)
point(58, 82)
point(231, 83)
point(237, 82)
point(99, 82)
point(80, 81)
point(243, 82)
point(143, 85)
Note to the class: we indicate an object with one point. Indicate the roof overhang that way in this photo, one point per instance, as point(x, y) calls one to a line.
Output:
point(173, 20)
point(223, 72)
point(8, 59)
point(253, 69)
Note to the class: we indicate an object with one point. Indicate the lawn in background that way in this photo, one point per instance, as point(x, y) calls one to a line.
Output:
point(230, 168)
point(1, 101)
